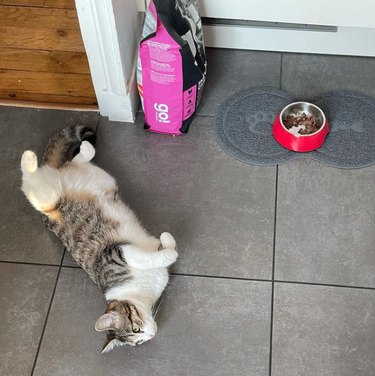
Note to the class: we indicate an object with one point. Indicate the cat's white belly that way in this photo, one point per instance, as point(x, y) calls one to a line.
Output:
point(87, 178)
point(146, 286)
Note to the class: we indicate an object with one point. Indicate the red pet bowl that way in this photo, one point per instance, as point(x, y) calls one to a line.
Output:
point(300, 142)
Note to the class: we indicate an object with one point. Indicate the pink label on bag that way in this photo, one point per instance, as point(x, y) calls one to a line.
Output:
point(162, 81)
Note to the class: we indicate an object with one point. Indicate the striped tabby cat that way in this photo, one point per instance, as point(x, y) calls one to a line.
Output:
point(80, 204)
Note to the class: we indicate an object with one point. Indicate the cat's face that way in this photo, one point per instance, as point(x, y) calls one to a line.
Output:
point(127, 325)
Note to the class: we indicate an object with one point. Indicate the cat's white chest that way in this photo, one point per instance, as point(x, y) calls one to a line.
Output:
point(146, 285)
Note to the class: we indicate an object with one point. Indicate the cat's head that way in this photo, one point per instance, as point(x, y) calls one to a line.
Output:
point(127, 324)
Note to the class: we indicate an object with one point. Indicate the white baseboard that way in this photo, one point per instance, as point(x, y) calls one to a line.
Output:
point(348, 13)
point(346, 41)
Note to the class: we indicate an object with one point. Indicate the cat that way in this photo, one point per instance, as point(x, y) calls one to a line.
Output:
point(79, 202)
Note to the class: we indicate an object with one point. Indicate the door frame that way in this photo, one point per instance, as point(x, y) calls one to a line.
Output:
point(110, 31)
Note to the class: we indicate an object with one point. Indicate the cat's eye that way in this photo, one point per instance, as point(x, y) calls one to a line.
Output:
point(140, 342)
point(136, 329)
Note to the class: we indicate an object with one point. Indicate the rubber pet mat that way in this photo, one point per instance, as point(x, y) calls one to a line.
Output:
point(243, 127)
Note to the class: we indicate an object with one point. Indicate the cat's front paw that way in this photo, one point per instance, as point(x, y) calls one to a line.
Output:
point(167, 240)
point(170, 256)
point(87, 151)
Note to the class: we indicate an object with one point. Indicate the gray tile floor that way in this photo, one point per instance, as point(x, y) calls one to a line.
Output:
point(277, 265)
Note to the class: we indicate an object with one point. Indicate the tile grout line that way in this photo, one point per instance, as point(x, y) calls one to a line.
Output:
point(219, 277)
point(281, 70)
point(324, 285)
point(28, 263)
point(319, 284)
point(47, 315)
point(97, 124)
point(273, 268)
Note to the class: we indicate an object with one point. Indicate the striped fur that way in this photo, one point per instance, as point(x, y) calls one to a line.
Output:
point(86, 234)
point(80, 204)
point(64, 146)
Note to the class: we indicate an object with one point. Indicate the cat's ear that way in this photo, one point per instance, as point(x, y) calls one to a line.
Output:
point(108, 321)
point(110, 344)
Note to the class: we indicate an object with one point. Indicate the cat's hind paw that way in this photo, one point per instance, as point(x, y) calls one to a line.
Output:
point(87, 151)
point(167, 240)
point(29, 162)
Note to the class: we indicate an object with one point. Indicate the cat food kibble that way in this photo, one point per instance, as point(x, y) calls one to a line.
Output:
point(301, 123)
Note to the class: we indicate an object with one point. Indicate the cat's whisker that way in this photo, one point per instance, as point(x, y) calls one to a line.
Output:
point(157, 308)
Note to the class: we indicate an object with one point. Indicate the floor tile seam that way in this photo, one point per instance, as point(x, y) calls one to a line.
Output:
point(281, 71)
point(205, 116)
point(46, 321)
point(322, 284)
point(97, 123)
point(273, 269)
point(275, 222)
point(28, 263)
point(210, 276)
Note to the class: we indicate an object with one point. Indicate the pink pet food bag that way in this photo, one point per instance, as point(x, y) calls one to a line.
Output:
point(171, 65)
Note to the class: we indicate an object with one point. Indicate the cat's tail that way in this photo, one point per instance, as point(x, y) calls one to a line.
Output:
point(65, 145)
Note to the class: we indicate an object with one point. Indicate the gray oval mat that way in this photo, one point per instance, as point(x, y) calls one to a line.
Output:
point(243, 127)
